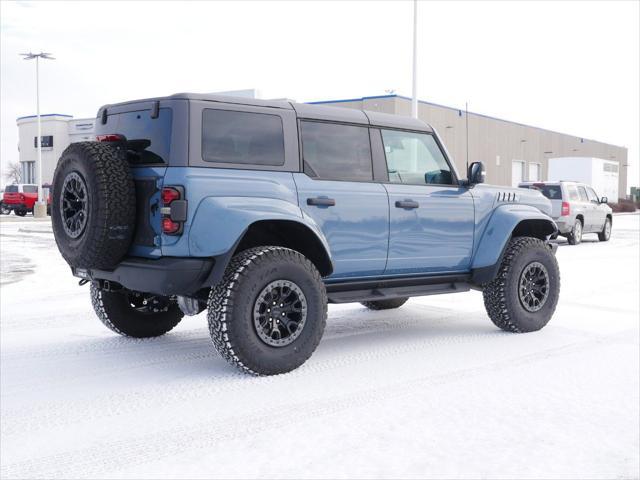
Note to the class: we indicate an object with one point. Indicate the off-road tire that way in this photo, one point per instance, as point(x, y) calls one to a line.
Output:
point(575, 237)
point(111, 208)
point(501, 297)
point(605, 234)
point(115, 312)
point(4, 210)
point(231, 305)
point(20, 213)
point(385, 304)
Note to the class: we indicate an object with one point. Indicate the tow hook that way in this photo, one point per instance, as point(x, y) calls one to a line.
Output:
point(190, 306)
point(82, 282)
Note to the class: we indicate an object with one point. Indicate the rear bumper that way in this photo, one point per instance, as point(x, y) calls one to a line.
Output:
point(164, 276)
point(565, 224)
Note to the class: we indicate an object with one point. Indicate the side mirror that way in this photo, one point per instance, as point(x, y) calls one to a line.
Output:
point(604, 200)
point(476, 173)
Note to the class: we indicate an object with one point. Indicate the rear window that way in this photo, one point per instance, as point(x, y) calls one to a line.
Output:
point(30, 189)
point(242, 138)
point(148, 139)
point(552, 192)
point(11, 189)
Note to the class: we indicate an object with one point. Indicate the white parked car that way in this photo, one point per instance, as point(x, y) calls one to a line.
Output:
point(576, 209)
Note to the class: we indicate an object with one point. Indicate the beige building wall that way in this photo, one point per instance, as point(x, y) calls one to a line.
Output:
point(497, 143)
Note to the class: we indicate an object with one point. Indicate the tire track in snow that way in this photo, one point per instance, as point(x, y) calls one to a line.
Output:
point(206, 351)
point(64, 413)
point(112, 456)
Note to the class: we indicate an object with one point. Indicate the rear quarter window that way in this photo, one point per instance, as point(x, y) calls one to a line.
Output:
point(573, 193)
point(30, 189)
point(242, 138)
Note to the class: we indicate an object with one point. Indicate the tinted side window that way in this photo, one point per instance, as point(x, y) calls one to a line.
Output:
point(583, 194)
point(415, 159)
point(30, 189)
point(11, 189)
point(242, 137)
point(336, 152)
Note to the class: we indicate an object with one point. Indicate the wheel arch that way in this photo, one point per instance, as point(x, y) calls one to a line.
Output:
point(507, 222)
point(286, 233)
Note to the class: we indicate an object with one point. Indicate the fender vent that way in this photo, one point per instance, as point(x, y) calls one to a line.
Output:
point(507, 197)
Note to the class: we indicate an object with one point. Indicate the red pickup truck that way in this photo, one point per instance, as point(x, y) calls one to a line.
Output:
point(20, 198)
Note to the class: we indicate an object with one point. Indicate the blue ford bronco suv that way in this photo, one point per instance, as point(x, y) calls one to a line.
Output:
point(262, 212)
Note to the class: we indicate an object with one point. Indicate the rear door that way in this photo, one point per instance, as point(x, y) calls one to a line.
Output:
point(431, 215)
point(336, 191)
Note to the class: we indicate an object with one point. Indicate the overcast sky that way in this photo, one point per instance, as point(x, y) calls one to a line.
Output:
point(571, 67)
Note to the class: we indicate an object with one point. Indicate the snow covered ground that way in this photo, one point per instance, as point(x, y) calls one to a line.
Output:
point(430, 390)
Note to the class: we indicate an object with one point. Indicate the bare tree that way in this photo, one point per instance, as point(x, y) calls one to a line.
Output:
point(14, 172)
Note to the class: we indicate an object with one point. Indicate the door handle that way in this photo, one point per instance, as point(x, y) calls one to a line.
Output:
point(321, 201)
point(407, 204)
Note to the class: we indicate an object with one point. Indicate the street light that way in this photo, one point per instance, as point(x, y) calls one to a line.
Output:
point(414, 87)
point(40, 209)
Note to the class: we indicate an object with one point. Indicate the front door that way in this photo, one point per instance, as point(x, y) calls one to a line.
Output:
point(431, 216)
point(337, 192)
point(599, 213)
point(587, 209)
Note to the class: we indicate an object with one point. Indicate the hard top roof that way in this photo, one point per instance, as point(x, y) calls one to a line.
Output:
point(303, 110)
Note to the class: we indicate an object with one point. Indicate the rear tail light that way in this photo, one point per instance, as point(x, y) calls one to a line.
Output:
point(174, 210)
point(169, 227)
point(169, 194)
point(566, 209)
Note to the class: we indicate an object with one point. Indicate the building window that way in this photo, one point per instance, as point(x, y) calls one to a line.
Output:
point(336, 152)
point(535, 172)
point(28, 172)
point(517, 172)
point(47, 141)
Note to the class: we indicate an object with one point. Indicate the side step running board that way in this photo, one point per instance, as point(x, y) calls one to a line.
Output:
point(360, 291)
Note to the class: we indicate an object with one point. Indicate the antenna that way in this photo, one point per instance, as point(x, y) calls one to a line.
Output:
point(466, 128)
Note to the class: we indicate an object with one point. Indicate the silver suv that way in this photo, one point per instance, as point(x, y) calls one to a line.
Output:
point(576, 208)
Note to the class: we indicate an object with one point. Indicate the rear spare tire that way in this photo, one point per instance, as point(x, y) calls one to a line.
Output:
point(93, 205)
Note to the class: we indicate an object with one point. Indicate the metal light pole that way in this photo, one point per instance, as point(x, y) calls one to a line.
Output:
point(414, 97)
point(40, 209)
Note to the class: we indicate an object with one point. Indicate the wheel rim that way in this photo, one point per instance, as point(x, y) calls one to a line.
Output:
point(533, 289)
point(74, 205)
point(280, 313)
point(147, 303)
point(578, 230)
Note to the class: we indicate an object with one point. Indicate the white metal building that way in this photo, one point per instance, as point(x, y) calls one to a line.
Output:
point(58, 131)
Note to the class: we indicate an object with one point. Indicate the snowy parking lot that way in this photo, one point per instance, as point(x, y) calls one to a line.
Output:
point(430, 390)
